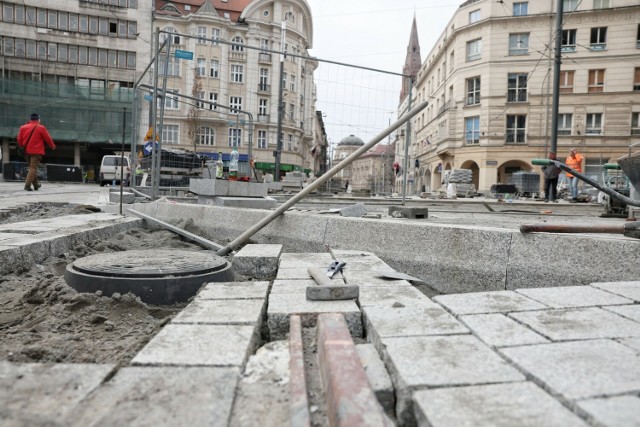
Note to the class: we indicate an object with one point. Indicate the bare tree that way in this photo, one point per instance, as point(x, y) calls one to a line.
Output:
point(193, 117)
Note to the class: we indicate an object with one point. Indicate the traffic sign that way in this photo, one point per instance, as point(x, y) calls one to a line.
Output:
point(148, 148)
point(184, 54)
point(149, 135)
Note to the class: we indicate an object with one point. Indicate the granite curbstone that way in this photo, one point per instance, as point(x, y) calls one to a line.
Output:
point(222, 312)
point(233, 291)
point(378, 377)
point(259, 261)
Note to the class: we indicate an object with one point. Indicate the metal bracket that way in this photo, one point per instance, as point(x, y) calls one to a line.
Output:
point(335, 267)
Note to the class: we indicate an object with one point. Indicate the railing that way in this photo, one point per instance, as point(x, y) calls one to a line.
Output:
point(262, 87)
point(237, 56)
point(263, 118)
point(264, 57)
point(447, 105)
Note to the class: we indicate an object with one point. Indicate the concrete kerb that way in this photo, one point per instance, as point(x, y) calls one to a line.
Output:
point(449, 258)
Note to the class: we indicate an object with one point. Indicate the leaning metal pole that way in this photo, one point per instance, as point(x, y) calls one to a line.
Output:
point(407, 141)
point(318, 183)
point(158, 147)
point(556, 80)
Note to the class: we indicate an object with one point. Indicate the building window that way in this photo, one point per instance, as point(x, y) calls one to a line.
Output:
point(173, 68)
point(519, 44)
point(238, 45)
point(235, 104)
point(214, 69)
point(202, 35)
point(570, 5)
point(569, 40)
point(596, 81)
point(472, 130)
point(213, 101)
point(206, 135)
point(473, 91)
point(52, 19)
point(215, 36)
point(474, 50)
point(635, 123)
point(289, 16)
point(566, 81)
point(474, 16)
point(171, 99)
point(638, 38)
point(235, 137)
point(262, 139)
point(594, 124)
point(517, 87)
point(262, 107)
point(236, 73)
point(292, 83)
point(264, 44)
point(7, 12)
point(521, 8)
point(171, 134)
point(263, 80)
point(565, 124)
point(516, 125)
point(599, 38)
point(600, 4)
point(201, 66)
point(636, 79)
point(200, 96)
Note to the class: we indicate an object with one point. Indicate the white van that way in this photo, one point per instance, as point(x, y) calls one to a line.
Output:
point(110, 169)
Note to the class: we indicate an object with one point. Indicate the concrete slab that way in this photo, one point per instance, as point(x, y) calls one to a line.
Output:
point(579, 369)
point(487, 302)
point(629, 311)
point(389, 295)
point(578, 324)
point(8, 236)
point(366, 275)
point(409, 212)
point(629, 290)
point(378, 377)
point(43, 394)
point(239, 202)
point(301, 273)
point(305, 260)
point(10, 259)
point(220, 187)
point(492, 405)
point(618, 411)
point(282, 306)
point(633, 343)
point(127, 197)
point(257, 261)
point(146, 396)
point(221, 312)
point(292, 286)
point(199, 345)
point(233, 290)
point(498, 330)
point(355, 256)
point(573, 296)
point(414, 321)
point(356, 210)
point(416, 363)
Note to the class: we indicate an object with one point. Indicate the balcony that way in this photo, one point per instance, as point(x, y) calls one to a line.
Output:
point(446, 106)
point(568, 48)
point(264, 88)
point(598, 46)
point(264, 58)
point(593, 131)
point(237, 56)
point(263, 118)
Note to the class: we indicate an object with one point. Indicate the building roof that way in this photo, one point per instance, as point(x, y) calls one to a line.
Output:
point(351, 140)
point(186, 7)
point(380, 150)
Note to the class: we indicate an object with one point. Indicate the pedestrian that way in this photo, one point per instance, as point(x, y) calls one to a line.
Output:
point(574, 161)
point(32, 137)
point(551, 173)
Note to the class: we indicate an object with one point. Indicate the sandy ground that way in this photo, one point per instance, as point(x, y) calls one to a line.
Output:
point(44, 320)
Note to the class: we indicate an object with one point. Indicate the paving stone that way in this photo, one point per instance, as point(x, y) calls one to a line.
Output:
point(234, 290)
point(578, 323)
point(282, 306)
point(498, 330)
point(633, 343)
point(222, 312)
point(629, 311)
point(127, 197)
point(356, 257)
point(487, 302)
point(516, 404)
point(220, 187)
point(305, 260)
point(618, 411)
point(378, 377)
point(168, 396)
point(356, 210)
point(199, 345)
point(300, 273)
point(10, 259)
point(573, 296)
point(42, 394)
point(288, 286)
point(416, 363)
point(414, 321)
point(368, 276)
point(579, 369)
point(626, 289)
point(257, 261)
point(7, 236)
point(387, 295)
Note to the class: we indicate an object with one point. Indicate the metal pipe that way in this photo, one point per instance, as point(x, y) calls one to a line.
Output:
point(276, 172)
point(124, 123)
point(556, 79)
point(318, 183)
point(158, 148)
point(407, 140)
point(153, 111)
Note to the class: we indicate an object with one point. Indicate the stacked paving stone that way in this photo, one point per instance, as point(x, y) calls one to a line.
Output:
point(460, 176)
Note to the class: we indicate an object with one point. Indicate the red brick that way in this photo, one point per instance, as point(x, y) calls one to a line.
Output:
point(298, 401)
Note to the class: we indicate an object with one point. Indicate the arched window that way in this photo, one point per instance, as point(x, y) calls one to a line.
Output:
point(237, 46)
point(289, 16)
point(206, 136)
point(163, 36)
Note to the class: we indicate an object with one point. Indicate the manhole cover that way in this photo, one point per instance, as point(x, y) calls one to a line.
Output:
point(156, 276)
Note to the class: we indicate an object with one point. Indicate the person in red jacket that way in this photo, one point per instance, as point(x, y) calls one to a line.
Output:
point(32, 137)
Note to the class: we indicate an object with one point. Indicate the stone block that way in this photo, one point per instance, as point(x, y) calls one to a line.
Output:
point(221, 187)
point(291, 286)
point(259, 261)
point(150, 396)
point(305, 260)
point(390, 295)
point(221, 312)
point(127, 197)
point(617, 411)
point(408, 212)
point(629, 290)
point(356, 210)
point(233, 290)
point(321, 292)
point(498, 330)
point(422, 362)
point(239, 202)
point(579, 369)
point(10, 259)
point(629, 311)
point(573, 296)
point(199, 345)
point(378, 377)
point(298, 398)
point(487, 302)
point(578, 324)
point(515, 404)
point(633, 343)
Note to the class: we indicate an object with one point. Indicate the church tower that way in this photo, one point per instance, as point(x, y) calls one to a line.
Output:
point(413, 62)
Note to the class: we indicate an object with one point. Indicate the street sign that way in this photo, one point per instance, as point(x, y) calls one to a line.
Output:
point(148, 148)
point(184, 54)
point(148, 98)
point(149, 135)
point(233, 122)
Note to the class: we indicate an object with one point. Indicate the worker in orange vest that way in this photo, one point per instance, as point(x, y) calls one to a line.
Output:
point(574, 161)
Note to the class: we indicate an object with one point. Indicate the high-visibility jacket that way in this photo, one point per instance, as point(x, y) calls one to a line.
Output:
point(574, 163)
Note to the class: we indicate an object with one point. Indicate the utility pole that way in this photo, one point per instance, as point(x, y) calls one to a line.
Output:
point(407, 140)
point(556, 79)
point(278, 152)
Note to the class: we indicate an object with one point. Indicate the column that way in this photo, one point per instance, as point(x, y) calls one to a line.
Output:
point(76, 154)
point(5, 151)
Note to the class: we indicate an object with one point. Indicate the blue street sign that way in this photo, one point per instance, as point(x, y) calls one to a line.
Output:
point(148, 98)
point(148, 148)
point(184, 54)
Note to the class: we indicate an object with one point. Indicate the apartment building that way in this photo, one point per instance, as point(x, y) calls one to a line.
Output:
point(489, 81)
point(75, 63)
point(235, 71)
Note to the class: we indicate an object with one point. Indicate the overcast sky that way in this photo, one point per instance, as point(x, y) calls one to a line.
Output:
point(369, 33)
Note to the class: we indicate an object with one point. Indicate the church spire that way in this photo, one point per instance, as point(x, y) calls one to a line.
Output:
point(413, 62)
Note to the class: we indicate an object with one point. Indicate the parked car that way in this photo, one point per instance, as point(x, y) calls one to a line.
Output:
point(110, 169)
